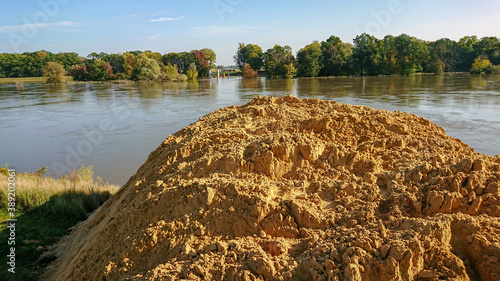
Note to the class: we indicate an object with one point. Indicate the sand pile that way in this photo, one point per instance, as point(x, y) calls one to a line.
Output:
point(292, 189)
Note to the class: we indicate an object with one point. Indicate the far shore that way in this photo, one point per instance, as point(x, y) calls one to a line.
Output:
point(30, 80)
point(69, 79)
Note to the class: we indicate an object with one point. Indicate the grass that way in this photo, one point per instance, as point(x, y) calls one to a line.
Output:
point(30, 80)
point(46, 209)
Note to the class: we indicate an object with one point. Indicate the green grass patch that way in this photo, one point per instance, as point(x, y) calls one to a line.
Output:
point(46, 208)
point(30, 80)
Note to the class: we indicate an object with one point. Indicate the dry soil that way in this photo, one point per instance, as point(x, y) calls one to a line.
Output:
point(297, 189)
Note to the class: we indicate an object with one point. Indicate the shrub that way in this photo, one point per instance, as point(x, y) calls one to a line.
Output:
point(192, 73)
point(438, 67)
point(480, 65)
point(80, 73)
point(121, 76)
point(55, 73)
point(289, 71)
point(248, 72)
point(492, 69)
point(170, 72)
point(5, 170)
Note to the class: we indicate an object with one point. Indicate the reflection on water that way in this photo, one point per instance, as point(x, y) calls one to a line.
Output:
point(47, 124)
point(479, 83)
point(251, 84)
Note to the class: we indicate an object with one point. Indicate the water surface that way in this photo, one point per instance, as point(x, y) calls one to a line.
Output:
point(114, 127)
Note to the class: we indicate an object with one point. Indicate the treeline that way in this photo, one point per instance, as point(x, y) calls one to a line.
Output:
point(135, 65)
point(401, 55)
point(30, 64)
point(368, 55)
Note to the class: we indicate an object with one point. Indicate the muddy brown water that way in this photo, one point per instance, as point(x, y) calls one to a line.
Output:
point(114, 127)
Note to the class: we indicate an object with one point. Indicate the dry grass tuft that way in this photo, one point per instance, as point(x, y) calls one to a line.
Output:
point(73, 195)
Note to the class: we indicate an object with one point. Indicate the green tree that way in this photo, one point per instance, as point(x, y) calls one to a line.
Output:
point(336, 57)
point(2, 63)
point(135, 53)
point(388, 62)
point(255, 60)
point(211, 57)
point(184, 61)
point(249, 54)
point(33, 63)
point(94, 56)
point(367, 55)
point(309, 60)
point(445, 53)
point(13, 65)
point(421, 54)
point(129, 65)
point(154, 55)
point(69, 60)
point(100, 70)
point(172, 58)
point(411, 54)
point(489, 46)
point(201, 62)
point(116, 62)
point(467, 50)
point(181, 63)
point(279, 62)
point(148, 69)
point(54, 72)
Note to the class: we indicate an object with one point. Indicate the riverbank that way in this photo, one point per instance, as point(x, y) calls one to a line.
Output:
point(18, 81)
point(69, 79)
point(27, 80)
point(45, 210)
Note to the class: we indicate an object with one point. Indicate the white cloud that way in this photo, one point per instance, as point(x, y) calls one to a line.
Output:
point(30, 26)
point(166, 19)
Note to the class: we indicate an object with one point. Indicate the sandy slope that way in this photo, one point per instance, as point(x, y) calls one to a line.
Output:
point(293, 189)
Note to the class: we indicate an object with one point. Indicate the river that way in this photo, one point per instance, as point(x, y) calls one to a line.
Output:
point(114, 127)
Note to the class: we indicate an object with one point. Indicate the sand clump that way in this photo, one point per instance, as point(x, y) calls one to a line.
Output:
point(297, 189)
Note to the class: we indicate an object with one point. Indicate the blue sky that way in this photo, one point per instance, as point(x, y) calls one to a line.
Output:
point(175, 26)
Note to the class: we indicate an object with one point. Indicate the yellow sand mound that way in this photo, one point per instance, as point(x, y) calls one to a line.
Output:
point(297, 189)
